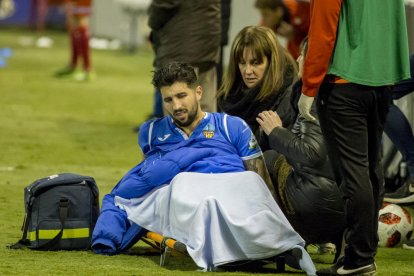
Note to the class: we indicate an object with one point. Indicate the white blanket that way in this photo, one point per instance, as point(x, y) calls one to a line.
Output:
point(221, 218)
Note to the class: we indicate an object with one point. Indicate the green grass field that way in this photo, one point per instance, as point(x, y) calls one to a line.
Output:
point(49, 126)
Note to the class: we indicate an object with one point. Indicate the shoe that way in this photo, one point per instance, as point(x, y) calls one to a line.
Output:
point(84, 76)
point(326, 249)
point(409, 244)
point(404, 194)
point(367, 270)
point(65, 72)
point(338, 269)
point(332, 269)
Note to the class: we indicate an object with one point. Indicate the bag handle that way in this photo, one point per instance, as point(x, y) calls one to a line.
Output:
point(63, 214)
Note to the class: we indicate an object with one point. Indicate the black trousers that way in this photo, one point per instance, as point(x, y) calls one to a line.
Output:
point(352, 119)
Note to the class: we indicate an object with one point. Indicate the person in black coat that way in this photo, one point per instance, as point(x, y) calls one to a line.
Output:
point(299, 166)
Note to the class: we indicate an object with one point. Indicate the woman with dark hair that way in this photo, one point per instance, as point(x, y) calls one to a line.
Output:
point(259, 77)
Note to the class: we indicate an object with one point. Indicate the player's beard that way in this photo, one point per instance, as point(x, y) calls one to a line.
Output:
point(191, 116)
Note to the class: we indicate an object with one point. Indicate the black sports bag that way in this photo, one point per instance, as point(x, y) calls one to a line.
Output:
point(61, 212)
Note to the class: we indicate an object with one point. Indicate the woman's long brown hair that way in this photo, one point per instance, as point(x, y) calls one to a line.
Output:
point(263, 43)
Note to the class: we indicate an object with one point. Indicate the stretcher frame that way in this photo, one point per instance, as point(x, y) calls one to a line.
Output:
point(167, 245)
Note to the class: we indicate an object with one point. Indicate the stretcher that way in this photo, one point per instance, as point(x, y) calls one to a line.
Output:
point(168, 246)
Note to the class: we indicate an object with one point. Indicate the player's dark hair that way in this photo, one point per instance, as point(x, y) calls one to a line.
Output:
point(273, 5)
point(175, 72)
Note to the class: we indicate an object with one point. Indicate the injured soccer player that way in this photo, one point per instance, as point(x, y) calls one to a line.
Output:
point(203, 182)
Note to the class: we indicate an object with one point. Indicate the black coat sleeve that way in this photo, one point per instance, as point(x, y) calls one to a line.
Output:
point(303, 144)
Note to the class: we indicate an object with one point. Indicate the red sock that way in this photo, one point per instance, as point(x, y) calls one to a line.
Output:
point(84, 46)
point(75, 38)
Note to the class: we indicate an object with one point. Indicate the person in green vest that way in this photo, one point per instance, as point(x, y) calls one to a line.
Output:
point(357, 50)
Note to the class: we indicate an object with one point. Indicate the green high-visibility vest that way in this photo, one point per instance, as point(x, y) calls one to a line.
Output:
point(372, 44)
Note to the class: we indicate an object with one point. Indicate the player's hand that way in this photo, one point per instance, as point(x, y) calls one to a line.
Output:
point(304, 105)
point(269, 120)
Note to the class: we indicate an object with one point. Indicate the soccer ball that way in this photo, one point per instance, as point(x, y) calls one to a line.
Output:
point(395, 225)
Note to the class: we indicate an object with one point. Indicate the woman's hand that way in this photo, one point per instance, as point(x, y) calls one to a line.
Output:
point(269, 120)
